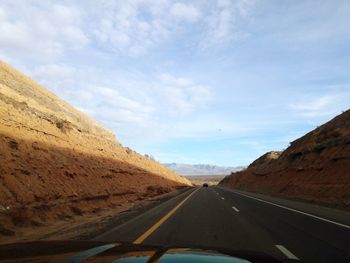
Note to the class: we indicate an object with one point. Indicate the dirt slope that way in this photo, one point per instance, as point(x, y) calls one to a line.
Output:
point(55, 162)
point(315, 167)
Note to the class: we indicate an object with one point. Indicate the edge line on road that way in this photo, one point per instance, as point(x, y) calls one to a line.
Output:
point(234, 208)
point(153, 228)
point(286, 252)
point(297, 211)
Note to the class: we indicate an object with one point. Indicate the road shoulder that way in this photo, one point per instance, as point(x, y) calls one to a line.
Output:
point(140, 220)
point(336, 215)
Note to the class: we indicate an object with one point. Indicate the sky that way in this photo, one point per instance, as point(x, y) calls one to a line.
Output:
point(218, 82)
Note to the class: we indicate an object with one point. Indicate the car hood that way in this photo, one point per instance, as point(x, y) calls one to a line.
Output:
point(94, 251)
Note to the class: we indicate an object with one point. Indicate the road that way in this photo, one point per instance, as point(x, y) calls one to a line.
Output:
point(219, 217)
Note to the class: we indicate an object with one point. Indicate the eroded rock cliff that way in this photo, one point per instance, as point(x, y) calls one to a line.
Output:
point(56, 162)
point(315, 167)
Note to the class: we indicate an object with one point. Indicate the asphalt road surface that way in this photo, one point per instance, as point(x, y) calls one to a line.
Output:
point(219, 217)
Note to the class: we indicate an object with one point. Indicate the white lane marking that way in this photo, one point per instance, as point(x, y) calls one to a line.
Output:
point(286, 252)
point(297, 211)
point(222, 198)
point(234, 208)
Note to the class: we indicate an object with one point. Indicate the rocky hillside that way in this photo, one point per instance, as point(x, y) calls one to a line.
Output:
point(315, 167)
point(56, 162)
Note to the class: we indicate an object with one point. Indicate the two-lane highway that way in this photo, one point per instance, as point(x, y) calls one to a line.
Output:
point(218, 217)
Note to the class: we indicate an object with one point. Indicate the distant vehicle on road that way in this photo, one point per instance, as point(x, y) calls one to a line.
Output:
point(205, 185)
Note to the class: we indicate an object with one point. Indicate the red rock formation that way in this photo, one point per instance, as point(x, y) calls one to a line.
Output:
point(55, 161)
point(315, 167)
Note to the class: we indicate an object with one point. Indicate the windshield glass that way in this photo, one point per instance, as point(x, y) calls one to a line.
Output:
point(215, 128)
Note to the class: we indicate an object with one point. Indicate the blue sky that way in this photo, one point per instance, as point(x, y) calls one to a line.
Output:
point(218, 82)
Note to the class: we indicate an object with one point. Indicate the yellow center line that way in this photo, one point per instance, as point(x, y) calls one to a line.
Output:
point(141, 238)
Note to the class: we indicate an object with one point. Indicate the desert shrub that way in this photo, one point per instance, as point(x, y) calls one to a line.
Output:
point(150, 188)
point(319, 148)
point(36, 223)
point(96, 210)
point(128, 150)
point(335, 134)
point(63, 125)
point(19, 216)
point(13, 144)
point(41, 207)
point(76, 210)
point(162, 190)
point(295, 156)
point(6, 232)
point(149, 156)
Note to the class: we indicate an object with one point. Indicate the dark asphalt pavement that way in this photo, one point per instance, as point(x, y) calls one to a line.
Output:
point(219, 217)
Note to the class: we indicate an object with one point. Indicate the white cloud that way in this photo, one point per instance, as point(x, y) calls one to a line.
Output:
point(328, 23)
point(81, 50)
point(131, 27)
point(222, 22)
point(46, 30)
point(135, 108)
point(185, 12)
point(107, 105)
point(39, 30)
point(137, 26)
point(113, 98)
point(314, 104)
point(126, 104)
point(163, 102)
point(53, 71)
point(180, 95)
point(327, 105)
point(56, 76)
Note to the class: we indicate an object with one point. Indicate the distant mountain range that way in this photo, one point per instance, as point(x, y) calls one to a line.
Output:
point(201, 169)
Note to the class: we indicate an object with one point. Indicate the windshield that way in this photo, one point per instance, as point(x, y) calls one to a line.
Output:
point(214, 126)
